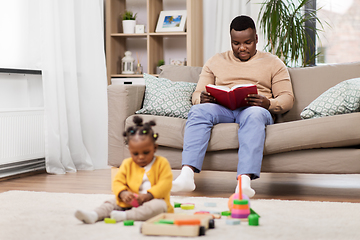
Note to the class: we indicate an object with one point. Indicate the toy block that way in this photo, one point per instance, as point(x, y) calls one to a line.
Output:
point(210, 204)
point(177, 205)
point(151, 226)
point(187, 206)
point(165, 221)
point(128, 222)
point(231, 221)
point(253, 220)
point(187, 222)
point(253, 212)
point(109, 220)
point(226, 213)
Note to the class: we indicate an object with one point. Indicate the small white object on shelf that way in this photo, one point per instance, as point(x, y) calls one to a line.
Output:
point(140, 29)
point(127, 63)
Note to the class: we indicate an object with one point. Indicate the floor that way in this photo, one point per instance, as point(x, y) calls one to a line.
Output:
point(308, 187)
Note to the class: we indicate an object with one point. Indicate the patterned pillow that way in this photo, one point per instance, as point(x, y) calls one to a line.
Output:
point(164, 97)
point(342, 98)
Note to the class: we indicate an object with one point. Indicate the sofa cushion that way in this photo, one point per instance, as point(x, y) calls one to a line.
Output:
point(340, 99)
point(180, 73)
point(166, 98)
point(328, 132)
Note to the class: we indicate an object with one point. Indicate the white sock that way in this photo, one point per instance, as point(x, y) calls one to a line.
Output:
point(245, 186)
point(185, 181)
point(118, 215)
point(86, 216)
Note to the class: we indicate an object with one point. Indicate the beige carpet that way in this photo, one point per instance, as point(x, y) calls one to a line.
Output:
point(40, 215)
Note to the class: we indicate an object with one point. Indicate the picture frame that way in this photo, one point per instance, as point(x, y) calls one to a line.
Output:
point(177, 61)
point(171, 21)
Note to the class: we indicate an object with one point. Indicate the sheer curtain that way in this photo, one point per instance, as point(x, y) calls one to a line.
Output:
point(218, 15)
point(67, 43)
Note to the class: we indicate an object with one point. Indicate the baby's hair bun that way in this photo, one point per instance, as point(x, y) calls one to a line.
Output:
point(140, 128)
point(138, 121)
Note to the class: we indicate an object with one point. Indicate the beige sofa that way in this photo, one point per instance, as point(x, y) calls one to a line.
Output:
point(322, 145)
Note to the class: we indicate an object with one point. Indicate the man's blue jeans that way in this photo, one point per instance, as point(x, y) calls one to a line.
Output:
point(251, 134)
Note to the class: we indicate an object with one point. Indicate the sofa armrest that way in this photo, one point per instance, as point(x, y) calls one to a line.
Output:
point(123, 101)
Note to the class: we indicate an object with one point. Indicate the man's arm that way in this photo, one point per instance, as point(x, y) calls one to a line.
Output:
point(283, 96)
point(206, 77)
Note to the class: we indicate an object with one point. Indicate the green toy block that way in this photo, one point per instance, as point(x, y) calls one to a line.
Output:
point(253, 212)
point(129, 223)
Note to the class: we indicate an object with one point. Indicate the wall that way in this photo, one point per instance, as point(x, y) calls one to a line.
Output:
point(20, 91)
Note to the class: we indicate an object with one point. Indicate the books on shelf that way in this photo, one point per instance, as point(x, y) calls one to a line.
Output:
point(234, 97)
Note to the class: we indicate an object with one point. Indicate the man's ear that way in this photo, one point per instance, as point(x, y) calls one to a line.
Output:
point(257, 39)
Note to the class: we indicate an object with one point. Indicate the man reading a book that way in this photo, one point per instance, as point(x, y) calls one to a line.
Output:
point(243, 65)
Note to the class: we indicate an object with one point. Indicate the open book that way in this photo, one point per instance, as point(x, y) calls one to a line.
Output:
point(231, 98)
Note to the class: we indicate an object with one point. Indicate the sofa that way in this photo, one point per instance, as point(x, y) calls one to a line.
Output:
point(326, 145)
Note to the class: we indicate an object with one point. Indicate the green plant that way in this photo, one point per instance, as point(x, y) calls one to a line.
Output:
point(160, 62)
point(283, 25)
point(128, 15)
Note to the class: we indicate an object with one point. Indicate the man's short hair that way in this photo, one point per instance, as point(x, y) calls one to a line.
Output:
point(241, 23)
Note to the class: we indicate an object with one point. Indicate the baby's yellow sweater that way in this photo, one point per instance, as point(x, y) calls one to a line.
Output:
point(130, 175)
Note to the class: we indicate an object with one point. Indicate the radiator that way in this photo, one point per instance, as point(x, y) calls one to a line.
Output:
point(22, 140)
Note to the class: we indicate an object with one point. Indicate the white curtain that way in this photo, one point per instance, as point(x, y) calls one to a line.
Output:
point(218, 15)
point(67, 38)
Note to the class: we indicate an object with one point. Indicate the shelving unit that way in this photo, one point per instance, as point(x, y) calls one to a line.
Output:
point(116, 41)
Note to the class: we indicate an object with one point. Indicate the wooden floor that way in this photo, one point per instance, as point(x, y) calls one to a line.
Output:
point(309, 187)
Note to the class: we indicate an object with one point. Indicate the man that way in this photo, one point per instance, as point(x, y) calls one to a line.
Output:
point(243, 65)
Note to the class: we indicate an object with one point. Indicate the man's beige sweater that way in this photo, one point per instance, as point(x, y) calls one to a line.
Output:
point(265, 70)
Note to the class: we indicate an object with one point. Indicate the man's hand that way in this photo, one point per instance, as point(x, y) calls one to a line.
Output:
point(258, 100)
point(205, 97)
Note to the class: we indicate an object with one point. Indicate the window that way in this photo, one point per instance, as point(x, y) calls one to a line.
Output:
point(340, 40)
point(13, 27)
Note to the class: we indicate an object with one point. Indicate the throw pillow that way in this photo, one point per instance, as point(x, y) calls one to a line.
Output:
point(342, 98)
point(164, 97)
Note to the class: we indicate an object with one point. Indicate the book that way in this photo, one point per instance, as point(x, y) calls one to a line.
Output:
point(231, 98)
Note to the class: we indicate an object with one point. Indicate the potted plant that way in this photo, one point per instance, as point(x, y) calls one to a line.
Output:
point(283, 24)
point(129, 22)
point(159, 64)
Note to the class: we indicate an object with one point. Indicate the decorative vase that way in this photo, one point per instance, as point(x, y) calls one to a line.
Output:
point(129, 26)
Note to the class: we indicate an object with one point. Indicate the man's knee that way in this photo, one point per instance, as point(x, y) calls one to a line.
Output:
point(203, 110)
point(258, 113)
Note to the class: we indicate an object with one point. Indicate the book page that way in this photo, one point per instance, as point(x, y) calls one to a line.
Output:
point(219, 87)
point(242, 85)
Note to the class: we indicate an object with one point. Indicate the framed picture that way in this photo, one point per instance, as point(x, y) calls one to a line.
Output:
point(171, 21)
point(177, 62)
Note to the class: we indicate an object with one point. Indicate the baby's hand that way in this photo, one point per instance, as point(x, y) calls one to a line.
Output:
point(127, 196)
point(142, 198)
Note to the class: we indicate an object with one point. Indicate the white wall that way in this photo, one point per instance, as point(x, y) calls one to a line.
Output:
point(20, 91)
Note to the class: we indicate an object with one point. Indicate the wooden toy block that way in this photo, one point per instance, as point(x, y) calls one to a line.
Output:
point(231, 221)
point(210, 204)
point(154, 227)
